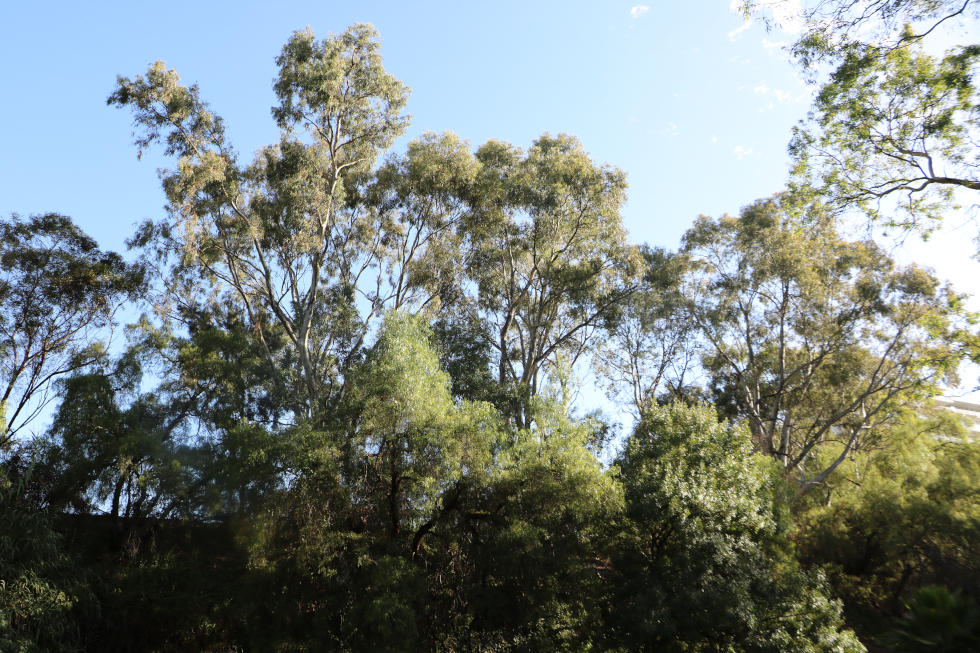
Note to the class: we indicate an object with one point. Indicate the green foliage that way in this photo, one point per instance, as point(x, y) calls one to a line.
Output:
point(413, 441)
point(811, 338)
point(938, 620)
point(42, 596)
point(350, 423)
point(890, 133)
point(57, 291)
point(540, 548)
point(898, 517)
point(696, 569)
point(113, 447)
point(467, 357)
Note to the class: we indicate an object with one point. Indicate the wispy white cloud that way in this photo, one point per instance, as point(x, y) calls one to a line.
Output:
point(776, 95)
point(782, 96)
point(671, 129)
point(735, 33)
point(772, 45)
point(714, 139)
point(741, 152)
point(638, 10)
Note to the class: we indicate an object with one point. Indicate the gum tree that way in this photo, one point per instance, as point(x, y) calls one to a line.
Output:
point(285, 237)
point(548, 255)
point(58, 293)
point(812, 339)
point(892, 131)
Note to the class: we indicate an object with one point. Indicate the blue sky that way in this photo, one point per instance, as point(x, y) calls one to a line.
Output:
point(696, 113)
point(695, 104)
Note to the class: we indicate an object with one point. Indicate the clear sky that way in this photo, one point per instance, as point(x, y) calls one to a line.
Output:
point(696, 114)
point(692, 102)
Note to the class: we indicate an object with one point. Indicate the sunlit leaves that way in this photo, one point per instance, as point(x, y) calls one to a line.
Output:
point(890, 133)
point(811, 338)
point(695, 568)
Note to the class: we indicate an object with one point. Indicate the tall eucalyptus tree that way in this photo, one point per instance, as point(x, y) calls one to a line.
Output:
point(286, 236)
point(814, 339)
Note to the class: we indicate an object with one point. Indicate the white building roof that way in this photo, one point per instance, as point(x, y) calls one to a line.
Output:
point(969, 409)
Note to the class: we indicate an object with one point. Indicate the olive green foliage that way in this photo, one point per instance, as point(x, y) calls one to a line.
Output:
point(897, 518)
point(57, 290)
point(353, 420)
point(699, 567)
point(650, 353)
point(283, 236)
point(42, 596)
point(313, 248)
point(420, 199)
point(891, 132)
point(549, 253)
point(813, 339)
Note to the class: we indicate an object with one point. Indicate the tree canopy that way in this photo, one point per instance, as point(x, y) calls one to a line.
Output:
point(814, 339)
point(891, 132)
point(348, 421)
point(57, 290)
